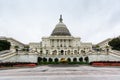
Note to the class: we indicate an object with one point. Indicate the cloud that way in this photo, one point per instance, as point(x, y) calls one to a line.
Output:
point(30, 20)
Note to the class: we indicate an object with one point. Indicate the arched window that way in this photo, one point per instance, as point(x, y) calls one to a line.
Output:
point(50, 59)
point(56, 60)
point(44, 59)
point(81, 59)
point(69, 60)
point(75, 51)
point(39, 59)
point(46, 52)
point(68, 52)
point(55, 52)
point(86, 59)
point(74, 59)
point(62, 52)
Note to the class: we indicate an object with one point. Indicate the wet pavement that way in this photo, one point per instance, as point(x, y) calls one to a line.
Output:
point(62, 73)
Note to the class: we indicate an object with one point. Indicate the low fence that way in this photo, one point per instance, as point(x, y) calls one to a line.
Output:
point(105, 63)
point(18, 64)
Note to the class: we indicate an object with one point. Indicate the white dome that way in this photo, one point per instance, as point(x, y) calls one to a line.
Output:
point(60, 29)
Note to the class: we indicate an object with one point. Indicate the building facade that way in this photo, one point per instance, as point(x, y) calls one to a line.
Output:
point(61, 43)
point(14, 43)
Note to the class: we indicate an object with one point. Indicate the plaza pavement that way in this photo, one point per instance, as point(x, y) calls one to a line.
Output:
point(62, 73)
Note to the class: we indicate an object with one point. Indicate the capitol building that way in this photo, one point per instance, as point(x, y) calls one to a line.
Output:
point(60, 45)
point(61, 42)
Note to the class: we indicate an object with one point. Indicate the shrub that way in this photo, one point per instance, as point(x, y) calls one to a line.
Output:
point(4, 45)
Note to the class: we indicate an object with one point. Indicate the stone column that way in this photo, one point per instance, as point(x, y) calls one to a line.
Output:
point(57, 42)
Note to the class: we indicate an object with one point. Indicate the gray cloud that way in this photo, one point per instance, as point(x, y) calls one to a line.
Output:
point(30, 20)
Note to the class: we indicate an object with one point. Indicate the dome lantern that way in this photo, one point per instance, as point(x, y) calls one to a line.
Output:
point(61, 19)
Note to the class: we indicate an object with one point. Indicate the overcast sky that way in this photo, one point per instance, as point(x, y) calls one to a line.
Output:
point(30, 20)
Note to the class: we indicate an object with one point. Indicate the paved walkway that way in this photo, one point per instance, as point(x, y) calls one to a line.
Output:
point(62, 73)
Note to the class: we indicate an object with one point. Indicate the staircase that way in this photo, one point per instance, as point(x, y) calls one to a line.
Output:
point(6, 54)
point(115, 55)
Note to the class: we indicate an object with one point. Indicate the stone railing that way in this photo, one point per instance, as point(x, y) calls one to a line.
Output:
point(77, 55)
point(115, 52)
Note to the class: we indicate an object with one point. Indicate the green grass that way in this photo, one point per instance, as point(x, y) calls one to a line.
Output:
point(78, 63)
point(48, 63)
point(45, 63)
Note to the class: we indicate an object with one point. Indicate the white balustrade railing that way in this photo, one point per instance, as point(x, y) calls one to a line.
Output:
point(77, 55)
